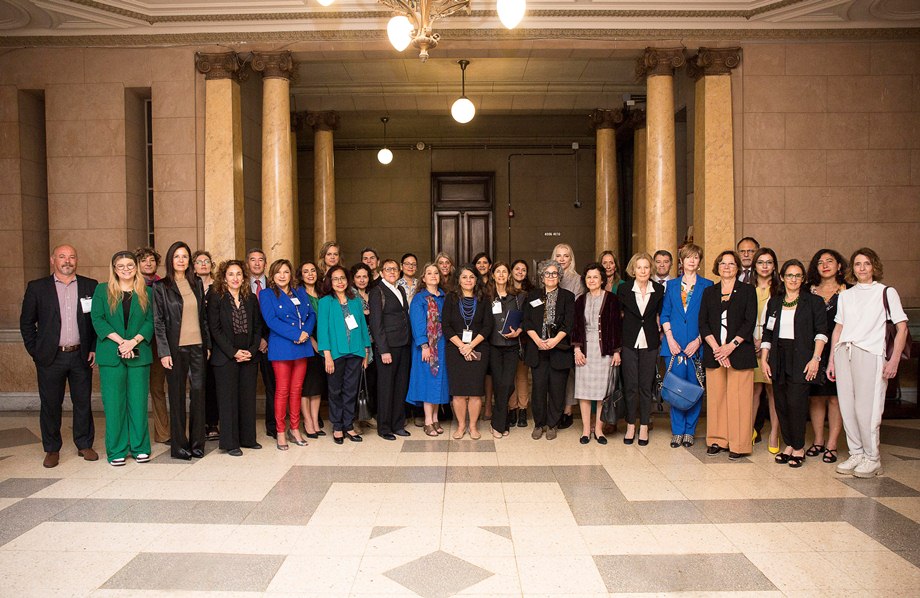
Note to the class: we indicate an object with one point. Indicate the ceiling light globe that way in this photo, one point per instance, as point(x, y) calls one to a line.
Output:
point(385, 156)
point(510, 12)
point(399, 30)
point(463, 110)
point(325, 2)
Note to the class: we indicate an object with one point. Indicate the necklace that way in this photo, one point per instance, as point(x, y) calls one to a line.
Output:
point(792, 303)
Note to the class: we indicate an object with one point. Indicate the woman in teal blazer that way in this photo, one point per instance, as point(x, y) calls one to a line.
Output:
point(122, 315)
point(343, 339)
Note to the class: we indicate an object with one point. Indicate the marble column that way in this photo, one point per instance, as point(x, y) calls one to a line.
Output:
point(713, 150)
point(296, 126)
point(606, 194)
point(639, 201)
point(278, 224)
point(657, 66)
point(323, 123)
point(224, 213)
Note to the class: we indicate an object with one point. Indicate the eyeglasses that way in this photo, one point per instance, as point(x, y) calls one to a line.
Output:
point(550, 275)
point(764, 262)
point(339, 279)
point(410, 264)
point(391, 269)
point(125, 267)
point(202, 262)
point(794, 276)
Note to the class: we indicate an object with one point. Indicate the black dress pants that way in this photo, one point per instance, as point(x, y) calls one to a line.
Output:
point(392, 388)
point(639, 367)
point(503, 364)
point(548, 395)
point(343, 392)
point(791, 399)
point(211, 407)
point(236, 392)
point(268, 380)
point(188, 366)
point(52, 379)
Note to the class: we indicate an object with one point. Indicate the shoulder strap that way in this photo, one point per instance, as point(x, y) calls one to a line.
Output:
point(885, 303)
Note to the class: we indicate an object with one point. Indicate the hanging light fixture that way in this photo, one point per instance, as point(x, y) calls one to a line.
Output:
point(415, 18)
point(463, 109)
point(384, 156)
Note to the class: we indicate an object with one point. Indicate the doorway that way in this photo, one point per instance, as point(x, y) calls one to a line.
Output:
point(462, 215)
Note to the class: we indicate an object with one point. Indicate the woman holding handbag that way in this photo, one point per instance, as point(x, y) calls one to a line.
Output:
point(863, 358)
point(597, 337)
point(680, 321)
point(790, 355)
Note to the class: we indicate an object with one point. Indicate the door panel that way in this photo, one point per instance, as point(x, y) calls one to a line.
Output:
point(462, 214)
point(447, 233)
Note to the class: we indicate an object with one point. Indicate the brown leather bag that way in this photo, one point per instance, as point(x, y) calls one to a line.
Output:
point(891, 331)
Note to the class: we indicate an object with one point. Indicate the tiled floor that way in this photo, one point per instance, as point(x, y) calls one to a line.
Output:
point(438, 518)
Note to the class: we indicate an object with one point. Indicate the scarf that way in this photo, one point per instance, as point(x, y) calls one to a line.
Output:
point(433, 327)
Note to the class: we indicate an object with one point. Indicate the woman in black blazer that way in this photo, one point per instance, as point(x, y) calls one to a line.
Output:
point(549, 315)
point(180, 324)
point(793, 339)
point(727, 319)
point(641, 299)
point(236, 331)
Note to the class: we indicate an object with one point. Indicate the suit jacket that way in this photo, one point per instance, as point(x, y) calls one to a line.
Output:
point(611, 324)
point(742, 316)
point(40, 320)
point(561, 357)
point(809, 322)
point(388, 319)
point(685, 324)
point(220, 320)
point(633, 321)
point(167, 315)
point(285, 325)
point(105, 321)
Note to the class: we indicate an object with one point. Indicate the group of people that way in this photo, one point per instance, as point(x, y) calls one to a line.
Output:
point(405, 341)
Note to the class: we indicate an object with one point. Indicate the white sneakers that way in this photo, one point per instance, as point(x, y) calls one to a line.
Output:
point(859, 466)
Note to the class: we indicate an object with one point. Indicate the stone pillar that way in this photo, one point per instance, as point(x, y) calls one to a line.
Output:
point(323, 123)
point(224, 213)
point(296, 126)
point(713, 152)
point(657, 66)
point(607, 205)
point(639, 154)
point(278, 225)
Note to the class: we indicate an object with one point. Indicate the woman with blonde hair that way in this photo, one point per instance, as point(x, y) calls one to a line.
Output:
point(329, 256)
point(122, 314)
point(570, 280)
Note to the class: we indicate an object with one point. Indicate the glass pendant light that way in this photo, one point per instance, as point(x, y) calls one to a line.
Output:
point(463, 109)
point(384, 156)
point(510, 12)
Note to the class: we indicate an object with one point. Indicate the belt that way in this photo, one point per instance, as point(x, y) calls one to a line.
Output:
point(69, 348)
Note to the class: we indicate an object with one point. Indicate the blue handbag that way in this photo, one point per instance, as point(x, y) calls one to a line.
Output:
point(680, 393)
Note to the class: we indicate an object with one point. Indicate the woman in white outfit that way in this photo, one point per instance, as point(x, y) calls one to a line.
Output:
point(858, 362)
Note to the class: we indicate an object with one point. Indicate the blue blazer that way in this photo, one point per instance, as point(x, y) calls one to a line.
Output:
point(685, 325)
point(285, 322)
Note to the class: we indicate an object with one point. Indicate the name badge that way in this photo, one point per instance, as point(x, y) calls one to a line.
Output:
point(467, 337)
point(295, 300)
point(351, 322)
point(87, 304)
point(497, 308)
point(536, 303)
point(771, 322)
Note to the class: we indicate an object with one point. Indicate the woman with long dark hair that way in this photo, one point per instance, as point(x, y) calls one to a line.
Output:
point(181, 326)
point(766, 285)
point(314, 383)
point(520, 396)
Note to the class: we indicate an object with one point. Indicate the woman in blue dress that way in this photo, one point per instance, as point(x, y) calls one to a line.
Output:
point(428, 376)
point(680, 315)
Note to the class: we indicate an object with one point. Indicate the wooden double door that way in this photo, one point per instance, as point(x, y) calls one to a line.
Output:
point(462, 215)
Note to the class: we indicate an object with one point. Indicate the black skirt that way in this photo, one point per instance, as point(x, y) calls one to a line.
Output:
point(467, 378)
point(314, 383)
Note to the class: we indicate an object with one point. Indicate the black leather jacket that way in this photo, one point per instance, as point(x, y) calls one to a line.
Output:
point(167, 315)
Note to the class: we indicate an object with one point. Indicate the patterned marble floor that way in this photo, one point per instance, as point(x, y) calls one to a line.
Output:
point(438, 518)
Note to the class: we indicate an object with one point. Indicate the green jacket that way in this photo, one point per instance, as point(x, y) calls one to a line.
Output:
point(331, 330)
point(106, 322)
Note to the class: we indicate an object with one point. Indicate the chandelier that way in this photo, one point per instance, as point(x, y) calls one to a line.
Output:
point(415, 19)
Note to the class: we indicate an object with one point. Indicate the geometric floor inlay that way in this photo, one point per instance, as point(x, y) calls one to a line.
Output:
point(681, 573)
point(17, 437)
point(197, 571)
point(438, 575)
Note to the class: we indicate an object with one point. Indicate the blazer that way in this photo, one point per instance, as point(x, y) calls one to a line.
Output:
point(331, 331)
point(388, 318)
point(40, 320)
point(167, 315)
point(685, 325)
point(452, 323)
point(105, 321)
point(561, 357)
point(285, 322)
point(809, 325)
point(611, 324)
point(220, 319)
point(633, 321)
point(742, 316)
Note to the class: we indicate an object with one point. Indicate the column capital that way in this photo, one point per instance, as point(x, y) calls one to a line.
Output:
point(659, 61)
point(273, 65)
point(323, 121)
point(713, 61)
point(606, 119)
point(637, 118)
point(218, 65)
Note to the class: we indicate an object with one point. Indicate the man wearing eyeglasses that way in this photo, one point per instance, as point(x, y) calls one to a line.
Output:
point(58, 333)
point(747, 247)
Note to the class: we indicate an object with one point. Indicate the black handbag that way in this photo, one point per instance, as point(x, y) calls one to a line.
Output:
point(614, 407)
point(364, 409)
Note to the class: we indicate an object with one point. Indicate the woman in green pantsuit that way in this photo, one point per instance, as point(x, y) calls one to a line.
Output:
point(122, 314)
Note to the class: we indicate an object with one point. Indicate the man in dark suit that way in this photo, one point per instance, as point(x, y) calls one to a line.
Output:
point(58, 333)
point(255, 264)
point(389, 324)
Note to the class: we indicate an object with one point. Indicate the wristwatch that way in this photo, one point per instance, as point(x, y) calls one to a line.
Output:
point(735, 342)
point(818, 359)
